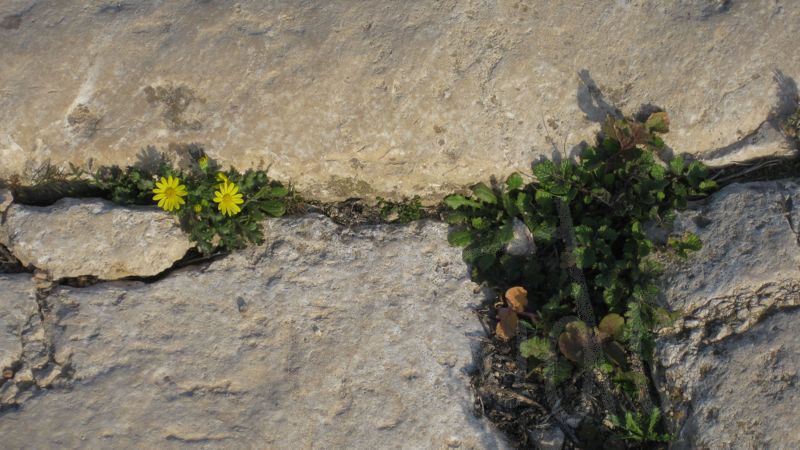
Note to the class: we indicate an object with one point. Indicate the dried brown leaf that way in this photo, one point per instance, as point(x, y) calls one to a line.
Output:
point(517, 298)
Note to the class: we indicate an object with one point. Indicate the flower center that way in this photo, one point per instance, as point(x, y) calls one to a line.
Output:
point(227, 198)
point(169, 192)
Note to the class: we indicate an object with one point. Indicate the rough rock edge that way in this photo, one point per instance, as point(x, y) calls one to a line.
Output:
point(36, 368)
point(714, 322)
point(6, 235)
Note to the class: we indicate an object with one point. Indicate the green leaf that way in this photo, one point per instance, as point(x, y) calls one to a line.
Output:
point(456, 201)
point(506, 233)
point(479, 223)
point(484, 193)
point(657, 122)
point(708, 185)
point(455, 218)
point(655, 415)
point(459, 238)
point(584, 257)
point(536, 347)
point(278, 191)
point(274, 208)
point(676, 165)
point(612, 325)
point(514, 181)
point(632, 425)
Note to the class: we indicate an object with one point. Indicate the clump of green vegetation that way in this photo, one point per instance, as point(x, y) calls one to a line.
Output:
point(588, 220)
point(634, 428)
point(792, 127)
point(220, 210)
point(404, 211)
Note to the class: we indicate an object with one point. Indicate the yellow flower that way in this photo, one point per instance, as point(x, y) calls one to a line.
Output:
point(221, 177)
point(169, 192)
point(198, 208)
point(229, 198)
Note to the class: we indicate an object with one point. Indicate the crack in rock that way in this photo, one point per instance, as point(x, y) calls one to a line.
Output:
point(34, 366)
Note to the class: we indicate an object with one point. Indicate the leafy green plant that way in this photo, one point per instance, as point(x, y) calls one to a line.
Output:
point(792, 126)
point(637, 427)
point(404, 211)
point(611, 193)
point(200, 216)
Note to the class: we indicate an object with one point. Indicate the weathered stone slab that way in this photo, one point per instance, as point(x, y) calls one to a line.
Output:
point(93, 237)
point(346, 98)
point(323, 337)
point(24, 352)
point(731, 363)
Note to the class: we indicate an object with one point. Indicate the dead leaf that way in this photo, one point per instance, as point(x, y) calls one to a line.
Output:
point(507, 324)
point(517, 298)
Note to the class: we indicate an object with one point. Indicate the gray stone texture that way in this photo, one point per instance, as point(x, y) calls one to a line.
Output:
point(323, 337)
point(729, 367)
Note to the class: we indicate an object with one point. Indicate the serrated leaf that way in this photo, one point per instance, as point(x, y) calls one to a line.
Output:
point(514, 181)
point(676, 165)
point(479, 223)
point(505, 233)
point(484, 193)
point(456, 201)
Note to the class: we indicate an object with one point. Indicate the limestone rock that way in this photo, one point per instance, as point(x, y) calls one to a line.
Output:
point(323, 337)
point(522, 242)
point(17, 311)
point(93, 237)
point(391, 98)
point(6, 197)
point(730, 364)
point(23, 347)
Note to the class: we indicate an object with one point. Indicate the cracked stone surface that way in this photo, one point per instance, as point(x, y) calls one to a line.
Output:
point(24, 347)
point(323, 337)
point(388, 99)
point(93, 237)
point(731, 363)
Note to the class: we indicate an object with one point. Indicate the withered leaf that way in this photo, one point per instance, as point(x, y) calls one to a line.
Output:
point(517, 298)
point(507, 323)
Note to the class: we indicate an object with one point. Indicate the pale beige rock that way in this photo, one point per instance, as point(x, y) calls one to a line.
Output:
point(6, 198)
point(731, 363)
point(25, 363)
point(17, 311)
point(346, 98)
point(323, 337)
point(93, 237)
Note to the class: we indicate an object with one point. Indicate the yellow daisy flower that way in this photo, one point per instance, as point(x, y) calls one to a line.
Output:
point(169, 192)
point(229, 198)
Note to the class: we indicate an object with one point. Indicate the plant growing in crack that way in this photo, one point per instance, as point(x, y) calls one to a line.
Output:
point(599, 206)
point(223, 209)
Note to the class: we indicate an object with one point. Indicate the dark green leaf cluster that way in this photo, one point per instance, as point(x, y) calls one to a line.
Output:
point(614, 191)
point(200, 216)
point(636, 427)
